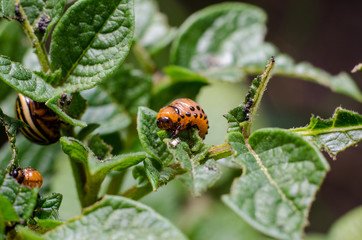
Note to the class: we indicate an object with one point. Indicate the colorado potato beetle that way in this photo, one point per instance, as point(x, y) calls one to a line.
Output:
point(27, 177)
point(183, 114)
point(44, 126)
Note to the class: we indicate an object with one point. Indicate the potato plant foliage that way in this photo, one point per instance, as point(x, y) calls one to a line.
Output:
point(93, 63)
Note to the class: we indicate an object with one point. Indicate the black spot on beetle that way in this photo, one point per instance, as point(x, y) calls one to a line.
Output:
point(179, 119)
point(201, 115)
point(198, 107)
point(192, 108)
point(188, 114)
point(195, 115)
point(183, 116)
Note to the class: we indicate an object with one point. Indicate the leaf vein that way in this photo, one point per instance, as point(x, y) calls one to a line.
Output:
point(269, 177)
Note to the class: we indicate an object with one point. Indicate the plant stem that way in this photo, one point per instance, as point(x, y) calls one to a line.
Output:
point(265, 77)
point(220, 151)
point(86, 188)
point(144, 58)
point(14, 150)
point(116, 182)
point(79, 178)
point(40, 51)
point(136, 193)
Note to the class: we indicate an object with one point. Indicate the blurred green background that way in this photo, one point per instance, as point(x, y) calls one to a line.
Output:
point(327, 34)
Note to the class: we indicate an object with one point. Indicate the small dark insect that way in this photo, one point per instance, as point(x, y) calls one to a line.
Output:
point(27, 177)
point(43, 23)
point(18, 15)
point(168, 118)
point(64, 99)
point(44, 126)
point(247, 106)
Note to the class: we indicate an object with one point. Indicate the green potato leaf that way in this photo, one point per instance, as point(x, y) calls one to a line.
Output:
point(116, 217)
point(98, 169)
point(47, 207)
point(102, 111)
point(7, 8)
point(7, 211)
point(25, 81)
point(282, 173)
point(180, 83)
point(151, 142)
point(129, 88)
point(152, 29)
point(241, 48)
point(342, 130)
point(48, 11)
point(90, 41)
point(348, 226)
point(200, 174)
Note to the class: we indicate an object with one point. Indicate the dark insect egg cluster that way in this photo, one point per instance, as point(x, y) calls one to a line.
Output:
point(18, 15)
point(27, 177)
point(43, 23)
point(183, 114)
point(248, 103)
point(43, 125)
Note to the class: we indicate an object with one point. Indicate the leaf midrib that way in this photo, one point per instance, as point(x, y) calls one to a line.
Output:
point(319, 132)
point(269, 177)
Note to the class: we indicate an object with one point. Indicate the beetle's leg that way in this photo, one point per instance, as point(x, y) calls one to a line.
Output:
point(176, 131)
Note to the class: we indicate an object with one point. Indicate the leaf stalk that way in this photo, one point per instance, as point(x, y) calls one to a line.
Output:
point(40, 50)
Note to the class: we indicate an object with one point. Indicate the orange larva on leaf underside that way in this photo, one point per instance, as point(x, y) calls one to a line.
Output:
point(183, 114)
point(27, 177)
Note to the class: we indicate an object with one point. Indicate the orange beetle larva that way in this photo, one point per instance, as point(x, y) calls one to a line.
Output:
point(183, 114)
point(27, 177)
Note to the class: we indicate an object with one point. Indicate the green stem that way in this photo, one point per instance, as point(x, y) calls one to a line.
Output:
point(14, 150)
point(79, 178)
point(144, 58)
point(40, 51)
point(136, 192)
point(87, 186)
point(87, 189)
point(116, 182)
point(219, 152)
point(91, 190)
point(258, 96)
